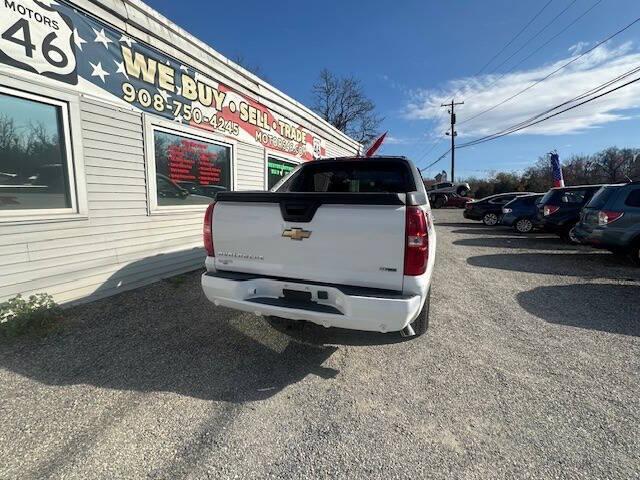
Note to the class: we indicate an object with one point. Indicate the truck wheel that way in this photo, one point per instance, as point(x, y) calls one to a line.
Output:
point(523, 225)
point(421, 323)
point(490, 219)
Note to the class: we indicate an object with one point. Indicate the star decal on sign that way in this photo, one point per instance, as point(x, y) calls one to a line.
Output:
point(127, 40)
point(184, 69)
point(164, 95)
point(98, 71)
point(121, 68)
point(179, 118)
point(102, 38)
point(78, 40)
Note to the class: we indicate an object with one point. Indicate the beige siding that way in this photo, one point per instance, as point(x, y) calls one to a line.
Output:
point(119, 246)
point(333, 150)
point(250, 171)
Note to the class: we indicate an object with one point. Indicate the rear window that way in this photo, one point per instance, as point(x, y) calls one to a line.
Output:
point(633, 199)
point(565, 197)
point(601, 197)
point(358, 176)
point(528, 200)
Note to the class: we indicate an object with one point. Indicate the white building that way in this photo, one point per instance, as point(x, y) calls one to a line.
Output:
point(116, 129)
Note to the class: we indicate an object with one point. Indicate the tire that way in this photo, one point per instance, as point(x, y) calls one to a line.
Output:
point(421, 324)
point(440, 201)
point(490, 219)
point(565, 235)
point(523, 225)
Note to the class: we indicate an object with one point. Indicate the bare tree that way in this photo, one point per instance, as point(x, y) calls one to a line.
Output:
point(257, 70)
point(342, 103)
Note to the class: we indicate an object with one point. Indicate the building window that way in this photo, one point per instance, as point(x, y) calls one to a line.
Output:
point(189, 170)
point(277, 169)
point(36, 171)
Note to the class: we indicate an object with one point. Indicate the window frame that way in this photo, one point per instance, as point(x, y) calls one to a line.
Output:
point(283, 158)
point(151, 125)
point(69, 107)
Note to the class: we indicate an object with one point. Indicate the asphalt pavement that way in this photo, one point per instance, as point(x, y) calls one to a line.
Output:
point(530, 369)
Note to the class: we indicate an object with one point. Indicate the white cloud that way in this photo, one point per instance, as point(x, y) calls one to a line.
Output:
point(483, 92)
point(578, 48)
point(391, 140)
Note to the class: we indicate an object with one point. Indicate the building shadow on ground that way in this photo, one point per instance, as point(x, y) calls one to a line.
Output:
point(605, 307)
point(167, 337)
point(586, 265)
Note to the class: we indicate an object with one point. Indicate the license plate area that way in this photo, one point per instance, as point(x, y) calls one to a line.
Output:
point(296, 295)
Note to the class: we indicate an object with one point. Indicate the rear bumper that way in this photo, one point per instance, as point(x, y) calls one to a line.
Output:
point(600, 237)
point(344, 307)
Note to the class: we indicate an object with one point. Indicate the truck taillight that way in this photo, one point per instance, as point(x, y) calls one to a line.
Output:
point(207, 231)
point(550, 210)
point(605, 217)
point(416, 250)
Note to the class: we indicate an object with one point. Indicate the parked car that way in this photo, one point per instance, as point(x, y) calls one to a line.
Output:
point(521, 212)
point(559, 209)
point(611, 220)
point(459, 188)
point(489, 209)
point(342, 242)
point(441, 200)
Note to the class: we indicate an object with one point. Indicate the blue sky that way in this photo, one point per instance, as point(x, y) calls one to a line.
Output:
point(412, 54)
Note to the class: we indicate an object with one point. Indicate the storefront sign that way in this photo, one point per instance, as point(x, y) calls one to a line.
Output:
point(52, 39)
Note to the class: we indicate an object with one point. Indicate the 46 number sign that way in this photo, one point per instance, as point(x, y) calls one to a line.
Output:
point(37, 39)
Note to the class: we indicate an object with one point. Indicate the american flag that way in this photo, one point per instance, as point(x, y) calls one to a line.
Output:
point(556, 168)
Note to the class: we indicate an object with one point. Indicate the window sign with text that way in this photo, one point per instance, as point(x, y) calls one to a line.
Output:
point(277, 169)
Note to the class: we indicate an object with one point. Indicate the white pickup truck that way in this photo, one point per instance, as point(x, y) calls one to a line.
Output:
point(341, 242)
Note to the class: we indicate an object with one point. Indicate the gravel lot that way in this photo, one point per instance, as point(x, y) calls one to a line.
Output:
point(530, 370)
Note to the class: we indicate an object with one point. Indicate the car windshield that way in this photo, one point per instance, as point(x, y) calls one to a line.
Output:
point(601, 197)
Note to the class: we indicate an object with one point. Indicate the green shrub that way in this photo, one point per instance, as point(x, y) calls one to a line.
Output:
point(36, 315)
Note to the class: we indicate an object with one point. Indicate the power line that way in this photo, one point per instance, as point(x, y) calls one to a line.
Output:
point(536, 118)
point(530, 124)
point(552, 73)
point(516, 37)
point(571, 24)
point(433, 163)
point(535, 35)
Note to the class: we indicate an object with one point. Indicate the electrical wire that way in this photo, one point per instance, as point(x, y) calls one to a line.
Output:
point(571, 24)
point(530, 124)
point(536, 118)
point(553, 72)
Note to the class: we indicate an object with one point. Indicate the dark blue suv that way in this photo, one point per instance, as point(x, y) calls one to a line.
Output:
point(611, 220)
point(521, 213)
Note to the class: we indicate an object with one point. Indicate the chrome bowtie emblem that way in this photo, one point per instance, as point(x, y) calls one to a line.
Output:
point(296, 233)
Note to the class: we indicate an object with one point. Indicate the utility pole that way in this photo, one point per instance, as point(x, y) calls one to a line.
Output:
point(453, 134)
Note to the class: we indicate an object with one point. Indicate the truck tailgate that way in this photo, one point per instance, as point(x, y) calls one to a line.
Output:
point(350, 239)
